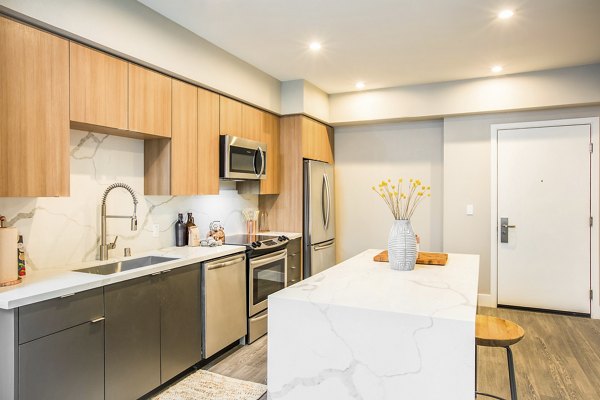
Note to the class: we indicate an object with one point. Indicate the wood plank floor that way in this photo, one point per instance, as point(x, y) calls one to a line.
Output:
point(559, 359)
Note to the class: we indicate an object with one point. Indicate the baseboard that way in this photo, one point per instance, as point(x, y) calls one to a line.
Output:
point(486, 300)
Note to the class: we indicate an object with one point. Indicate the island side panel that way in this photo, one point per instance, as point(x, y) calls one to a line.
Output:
point(321, 351)
point(8, 354)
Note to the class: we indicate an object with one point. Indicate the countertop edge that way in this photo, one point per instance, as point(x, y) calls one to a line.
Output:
point(105, 280)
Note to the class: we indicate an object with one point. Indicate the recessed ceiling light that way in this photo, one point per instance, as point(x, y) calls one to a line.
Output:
point(360, 85)
point(315, 46)
point(496, 69)
point(506, 14)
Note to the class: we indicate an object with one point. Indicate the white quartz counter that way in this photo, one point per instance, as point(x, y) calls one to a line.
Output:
point(40, 286)
point(361, 330)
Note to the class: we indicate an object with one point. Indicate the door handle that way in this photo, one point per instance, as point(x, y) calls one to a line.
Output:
point(504, 226)
point(323, 194)
point(324, 246)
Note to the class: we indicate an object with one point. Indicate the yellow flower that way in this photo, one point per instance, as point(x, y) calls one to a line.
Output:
point(428, 194)
point(373, 188)
point(423, 188)
point(420, 193)
point(428, 187)
point(411, 180)
point(418, 181)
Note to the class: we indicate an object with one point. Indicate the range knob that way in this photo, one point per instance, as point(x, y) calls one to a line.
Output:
point(285, 237)
point(258, 244)
point(280, 239)
point(253, 244)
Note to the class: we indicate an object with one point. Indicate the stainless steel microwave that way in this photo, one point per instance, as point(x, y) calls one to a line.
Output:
point(242, 158)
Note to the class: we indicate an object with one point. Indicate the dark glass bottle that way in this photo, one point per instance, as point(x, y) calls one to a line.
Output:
point(180, 231)
point(188, 225)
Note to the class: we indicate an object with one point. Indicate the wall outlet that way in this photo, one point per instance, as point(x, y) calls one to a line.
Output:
point(469, 209)
point(155, 230)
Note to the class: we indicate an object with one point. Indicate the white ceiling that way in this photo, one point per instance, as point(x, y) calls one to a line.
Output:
point(393, 42)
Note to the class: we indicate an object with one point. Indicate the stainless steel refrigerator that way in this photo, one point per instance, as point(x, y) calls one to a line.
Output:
point(319, 217)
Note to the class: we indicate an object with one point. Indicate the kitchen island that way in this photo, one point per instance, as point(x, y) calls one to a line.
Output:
point(361, 330)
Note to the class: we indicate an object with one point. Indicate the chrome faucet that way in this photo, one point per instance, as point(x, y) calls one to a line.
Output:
point(134, 225)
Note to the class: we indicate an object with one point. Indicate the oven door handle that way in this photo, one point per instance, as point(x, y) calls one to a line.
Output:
point(257, 262)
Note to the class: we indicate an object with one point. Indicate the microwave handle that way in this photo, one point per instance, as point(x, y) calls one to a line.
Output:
point(262, 161)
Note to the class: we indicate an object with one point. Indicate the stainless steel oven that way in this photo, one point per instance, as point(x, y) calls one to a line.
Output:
point(267, 275)
point(242, 158)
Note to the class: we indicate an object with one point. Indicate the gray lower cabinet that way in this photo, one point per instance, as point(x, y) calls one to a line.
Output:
point(65, 365)
point(132, 310)
point(153, 331)
point(181, 323)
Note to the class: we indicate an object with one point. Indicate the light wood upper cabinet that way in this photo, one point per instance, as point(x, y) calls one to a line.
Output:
point(34, 112)
point(208, 142)
point(184, 140)
point(317, 140)
point(230, 116)
point(252, 123)
point(149, 102)
point(187, 164)
point(270, 136)
point(98, 88)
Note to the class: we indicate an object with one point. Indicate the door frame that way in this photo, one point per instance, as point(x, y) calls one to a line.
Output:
point(594, 123)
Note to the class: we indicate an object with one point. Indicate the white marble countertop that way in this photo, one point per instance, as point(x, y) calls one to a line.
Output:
point(360, 330)
point(446, 292)
point(43, 285)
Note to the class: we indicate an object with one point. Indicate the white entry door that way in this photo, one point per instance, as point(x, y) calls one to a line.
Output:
point(544, 193)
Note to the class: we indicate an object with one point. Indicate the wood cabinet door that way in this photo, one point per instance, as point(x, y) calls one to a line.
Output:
point(184, 140)
point(98, 88)
point(230, 116)
point(317, 141)
point(132, 338)
point(34, 112)
point(149, 102)
point(270, 135)
point(67, 365)
point(181, 321)
point(208, 142)
point(252, 123)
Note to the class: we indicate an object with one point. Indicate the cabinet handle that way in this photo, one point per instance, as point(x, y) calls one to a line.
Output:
point(64, 296)
point(97, 320)
point(293, 267)
point(165, 271)
point(156, 273)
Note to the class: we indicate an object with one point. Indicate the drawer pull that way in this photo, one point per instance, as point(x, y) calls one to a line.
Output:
point(156, 273)
point(293, 267)
point(64, 296)
point(166, 271)
point(97, 320)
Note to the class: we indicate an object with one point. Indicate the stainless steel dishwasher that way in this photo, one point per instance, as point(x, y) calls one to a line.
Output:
point(224, 302)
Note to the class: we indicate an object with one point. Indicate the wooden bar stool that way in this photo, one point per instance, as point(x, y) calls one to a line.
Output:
point(498, 332)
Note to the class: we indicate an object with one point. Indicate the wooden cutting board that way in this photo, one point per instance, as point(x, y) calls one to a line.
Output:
point(422, 258)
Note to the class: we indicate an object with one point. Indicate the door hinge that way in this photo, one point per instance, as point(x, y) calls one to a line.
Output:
point(591, 294)
point(591, 147)
point(591, 221)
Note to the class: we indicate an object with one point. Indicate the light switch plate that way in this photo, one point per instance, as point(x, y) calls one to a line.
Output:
point(155, 230)
point(470, 209)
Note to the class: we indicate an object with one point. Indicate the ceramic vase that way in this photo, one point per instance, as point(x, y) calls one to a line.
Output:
point(402, 246)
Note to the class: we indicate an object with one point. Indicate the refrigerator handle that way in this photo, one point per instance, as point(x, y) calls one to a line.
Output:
point(328, 200)
point(323, 194)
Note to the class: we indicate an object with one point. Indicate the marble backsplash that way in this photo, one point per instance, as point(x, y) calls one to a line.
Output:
point(64, 231)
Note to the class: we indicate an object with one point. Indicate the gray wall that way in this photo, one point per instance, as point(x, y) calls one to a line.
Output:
point(452, 155)
point(467, 179)
point(366, 154)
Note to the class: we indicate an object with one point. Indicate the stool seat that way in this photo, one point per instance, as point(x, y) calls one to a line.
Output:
point(496, 332)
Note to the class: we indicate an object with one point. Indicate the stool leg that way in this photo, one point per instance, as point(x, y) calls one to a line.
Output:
point(476, 368)
point(511, 374)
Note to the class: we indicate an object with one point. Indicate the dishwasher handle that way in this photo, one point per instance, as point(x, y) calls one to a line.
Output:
point(225, 263)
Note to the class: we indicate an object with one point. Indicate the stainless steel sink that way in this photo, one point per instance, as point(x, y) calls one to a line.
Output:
point(126, 265)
